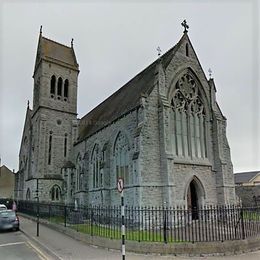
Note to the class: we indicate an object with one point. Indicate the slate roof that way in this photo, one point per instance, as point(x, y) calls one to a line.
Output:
point(243, 177)
point(125, 99)
point(55, 52)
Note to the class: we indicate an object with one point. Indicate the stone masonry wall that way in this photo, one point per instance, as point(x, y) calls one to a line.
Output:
point(108, 194)
point(246, 195)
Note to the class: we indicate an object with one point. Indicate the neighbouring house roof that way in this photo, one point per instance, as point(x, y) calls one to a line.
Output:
point(6, 170)
point(245, 177)
point(126, 98)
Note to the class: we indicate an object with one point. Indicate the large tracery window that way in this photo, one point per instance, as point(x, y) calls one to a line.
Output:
point(121, 153)
point(189, 119)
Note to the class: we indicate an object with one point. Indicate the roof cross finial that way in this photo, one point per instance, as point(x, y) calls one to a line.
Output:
point(159, 51)
point(185, 25)
point(71, 43)
point(41, 29)
point(210, 73)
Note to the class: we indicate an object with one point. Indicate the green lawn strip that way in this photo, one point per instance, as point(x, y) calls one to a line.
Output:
point(135, 235)
point(247, 215)
point(57, 219)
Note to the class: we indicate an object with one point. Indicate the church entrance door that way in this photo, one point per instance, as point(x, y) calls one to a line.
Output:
point(192, 200)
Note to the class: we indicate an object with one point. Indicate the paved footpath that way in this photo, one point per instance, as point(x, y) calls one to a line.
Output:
point(56, 246)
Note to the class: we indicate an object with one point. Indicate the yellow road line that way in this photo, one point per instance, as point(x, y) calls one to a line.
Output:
point(38, 251)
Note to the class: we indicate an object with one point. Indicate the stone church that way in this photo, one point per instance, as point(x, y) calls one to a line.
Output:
point(163, 132)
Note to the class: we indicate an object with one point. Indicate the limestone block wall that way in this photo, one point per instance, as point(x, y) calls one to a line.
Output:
point(42, 82)
point(44, 185)
point(183, 174)
point(105, 139)
point(150, 167)
point(59, 124)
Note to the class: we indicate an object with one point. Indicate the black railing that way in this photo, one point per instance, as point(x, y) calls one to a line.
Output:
point(154, 224)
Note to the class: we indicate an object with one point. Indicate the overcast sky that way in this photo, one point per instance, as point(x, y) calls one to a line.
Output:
point(114, 41)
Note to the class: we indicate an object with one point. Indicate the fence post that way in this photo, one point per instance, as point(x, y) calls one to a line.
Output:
point(91, 220)
point(242, 223)
point(65, 215)
point(38, 206)
point(164, 226)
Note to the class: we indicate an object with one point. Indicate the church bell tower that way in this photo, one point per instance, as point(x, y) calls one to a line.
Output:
point(54, 114)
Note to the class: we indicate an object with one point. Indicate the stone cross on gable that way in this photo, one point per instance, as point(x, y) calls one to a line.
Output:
point(185, 25)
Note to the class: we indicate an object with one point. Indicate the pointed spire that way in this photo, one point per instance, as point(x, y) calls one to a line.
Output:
point(28, 104)
point(41, 30)
point(71, 43)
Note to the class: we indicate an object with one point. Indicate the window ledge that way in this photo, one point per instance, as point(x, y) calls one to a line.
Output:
point(202, 162)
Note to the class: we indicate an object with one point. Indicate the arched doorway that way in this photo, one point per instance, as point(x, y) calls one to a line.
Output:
point(193, 199)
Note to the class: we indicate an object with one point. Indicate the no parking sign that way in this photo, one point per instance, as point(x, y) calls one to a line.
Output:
point(120, 184)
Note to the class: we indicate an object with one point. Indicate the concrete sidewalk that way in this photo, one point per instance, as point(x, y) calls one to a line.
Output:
point(56, 245)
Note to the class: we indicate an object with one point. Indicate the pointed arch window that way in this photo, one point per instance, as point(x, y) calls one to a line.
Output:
point(189, 139)
point(55, 193)
point(79, 173)
point(50, 148)
point(59, 91)
point(65, 145)
point(96, 163)
point(121, 157)
point(28, 194)
point(53, 85)
point(66, 88)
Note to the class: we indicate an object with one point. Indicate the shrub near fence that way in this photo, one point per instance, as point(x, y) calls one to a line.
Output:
point(154, 224)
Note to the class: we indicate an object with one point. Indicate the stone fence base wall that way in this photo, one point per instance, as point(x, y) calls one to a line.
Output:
point(190, 249)
point(247, 194)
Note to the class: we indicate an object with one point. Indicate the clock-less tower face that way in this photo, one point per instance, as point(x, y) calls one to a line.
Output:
point(55, 76)
point(55, 87)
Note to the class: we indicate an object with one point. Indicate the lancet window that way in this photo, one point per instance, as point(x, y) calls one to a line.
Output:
point(59, 92)
point(96, 163)
point(121, 155)
point(79, 173)
point(66, 88)
point(53, 83)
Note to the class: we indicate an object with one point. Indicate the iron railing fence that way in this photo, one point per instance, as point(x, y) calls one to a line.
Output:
point(154, 224)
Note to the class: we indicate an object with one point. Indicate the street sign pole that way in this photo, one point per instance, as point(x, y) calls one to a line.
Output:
point(123, 224)
point(37, 194)
point(120, 188)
